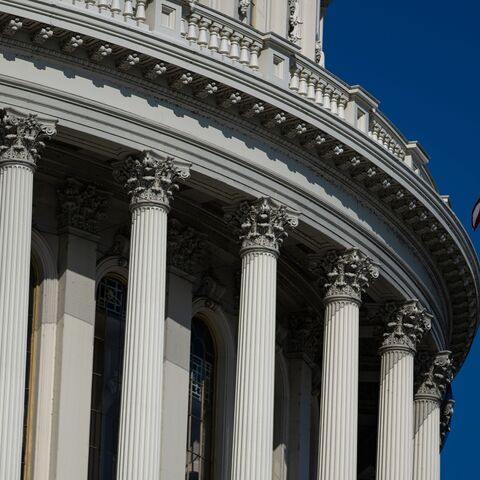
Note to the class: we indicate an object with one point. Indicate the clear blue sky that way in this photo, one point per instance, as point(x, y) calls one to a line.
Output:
point(421, 59)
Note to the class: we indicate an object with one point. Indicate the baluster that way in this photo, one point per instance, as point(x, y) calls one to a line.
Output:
point(234, 46)
point(192, 33)
point(327, 92)
point(224, 41)
point(90, 3)
point(311, 87)
point(203, 32)
point(183, 28)
point(342, 104)
point(140, 14)
point(334, 104)
point(115, 7)
point(294, 80)
point(245, 51)
point(214, 43)
point(302, 87)
point(128, 9)
point(254, 51)
point(103, 6)
point(319, 92)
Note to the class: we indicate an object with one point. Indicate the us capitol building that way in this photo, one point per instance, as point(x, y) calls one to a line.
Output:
point(218, 261)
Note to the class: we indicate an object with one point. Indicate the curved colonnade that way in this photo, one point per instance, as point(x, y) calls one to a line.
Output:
point(114, 90)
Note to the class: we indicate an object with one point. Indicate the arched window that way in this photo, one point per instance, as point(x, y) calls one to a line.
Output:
point(107, 377)
point(30, 374)
point(201, 403)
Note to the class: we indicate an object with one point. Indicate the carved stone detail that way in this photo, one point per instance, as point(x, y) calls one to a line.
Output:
point(405, 326)
point(185, 247)
point(13, 26)
point(263, 224)
point(433, 375)
point(304, 335)
point(121, 245)
point(81, 205)
point(23, 137)
point(294, 21)
point(243, 7)
point(446, 419)
point(151, 179)
point(345, 274)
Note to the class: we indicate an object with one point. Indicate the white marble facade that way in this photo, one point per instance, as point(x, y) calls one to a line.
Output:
point(217, 260)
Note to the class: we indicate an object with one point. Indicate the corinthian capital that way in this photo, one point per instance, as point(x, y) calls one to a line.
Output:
point(434, 375)
point(151, 179)
point(405, 326)
point(345, 274)
point(262, 224)
point(22, 137)
point(81, 206)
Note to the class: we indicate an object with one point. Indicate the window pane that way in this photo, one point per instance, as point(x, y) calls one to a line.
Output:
point(107, 378)
point(201, 403)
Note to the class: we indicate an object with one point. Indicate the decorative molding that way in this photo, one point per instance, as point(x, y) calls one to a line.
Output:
point(344, 274)
point(81, 206)
point(434, 374)
point(22, 137)
point(150, 178)
point(121, 245)
point(405, 326)
point(186, 248)
point(262, 224)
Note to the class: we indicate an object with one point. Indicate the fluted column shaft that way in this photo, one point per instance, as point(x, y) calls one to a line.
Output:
point(395, 428)
point(21, 140)
point(261, 226)
point(347, 275)
point(433, 376)
point(254, 399)
point(150, 181)
point(404, 327)
point(426, 463)
point(140, 421)
point(339, 397)
point(16, 185)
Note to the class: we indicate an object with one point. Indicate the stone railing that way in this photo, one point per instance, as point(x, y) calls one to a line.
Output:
point(268, 56)
point(132, 12)
point(218, 34)
point(309, 80)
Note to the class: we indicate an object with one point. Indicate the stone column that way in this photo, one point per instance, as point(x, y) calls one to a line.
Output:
point(348, 275)
point(81, 209)
point(150, 181)
point(21, 140)
point(433, 378)
point(404, 328)
point(301, 349)
point(185, 249)
point(262, 225)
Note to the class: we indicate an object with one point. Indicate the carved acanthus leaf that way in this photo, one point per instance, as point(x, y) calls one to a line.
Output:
point(304, 335)
point(151, 178)
point(262, 224)
point(23, 137)
point(294, 21)
point(346, 274)
point(81, 206)
point(405, 326)
point(185, 247)
point(434, 374)
point(446, 415)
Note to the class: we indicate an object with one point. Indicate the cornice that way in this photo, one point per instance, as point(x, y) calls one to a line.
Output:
point(448, 230)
